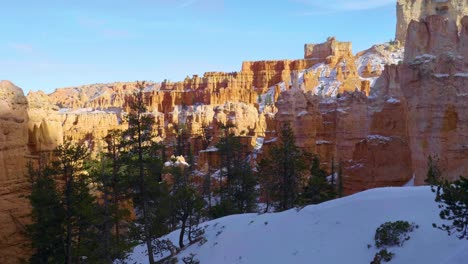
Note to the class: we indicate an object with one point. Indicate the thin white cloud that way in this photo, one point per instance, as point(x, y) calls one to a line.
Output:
point(327, 6)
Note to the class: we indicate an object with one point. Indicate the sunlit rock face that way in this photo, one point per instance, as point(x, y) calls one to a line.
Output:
point(408, 10)
point(434, 81)
point(13, 181)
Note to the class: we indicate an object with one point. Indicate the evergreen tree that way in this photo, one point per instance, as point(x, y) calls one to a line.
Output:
point(66, 212)
point(187, 204)
point(107, 177)
point(77, 202)
point(282, 170)
point(434, 174)
point(452, 198)
point(237, 182)
point(46, 230)
point(453, 202)
point(318, 189)
point(143, 169)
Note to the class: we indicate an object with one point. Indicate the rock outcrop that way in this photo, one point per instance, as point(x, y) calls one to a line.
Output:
point(434, 82)
point(409, 10)
point(14, 209)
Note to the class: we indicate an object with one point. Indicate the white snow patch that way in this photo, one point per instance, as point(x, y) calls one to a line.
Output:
point(393, 100)
point(441, 75)
point(379, 138)
point(302, 113)
point(461, 74)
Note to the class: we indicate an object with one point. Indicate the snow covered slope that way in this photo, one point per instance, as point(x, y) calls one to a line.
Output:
point(333, 232)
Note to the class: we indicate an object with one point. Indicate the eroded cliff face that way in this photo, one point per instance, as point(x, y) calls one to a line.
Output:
point(13, 181)
point(434, 81)
point(417, 10)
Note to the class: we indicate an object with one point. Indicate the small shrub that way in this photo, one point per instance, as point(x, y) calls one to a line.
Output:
point(383, 255)
point(393, 233)
point(190, 259)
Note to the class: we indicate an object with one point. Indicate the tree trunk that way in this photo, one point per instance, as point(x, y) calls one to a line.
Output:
point(182, 232)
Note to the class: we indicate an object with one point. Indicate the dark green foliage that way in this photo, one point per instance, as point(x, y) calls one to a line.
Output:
point(392, 234)
point(433, 172)
point(66, 215)
point(452, 198)
point(282, 171)
point(187, 205)
point(46, 230)
point(143, 169)
point(382, 256)
point(108, 178)
point(318, 189)
point(453, 202)
point(237, 183)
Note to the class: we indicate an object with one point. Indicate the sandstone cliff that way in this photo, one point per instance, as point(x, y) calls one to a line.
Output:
point(408, 10)
point(13, 181)
point(434, 81)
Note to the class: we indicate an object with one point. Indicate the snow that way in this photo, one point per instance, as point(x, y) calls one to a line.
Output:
point(461, 74)
point(322, 142)
point(268, 96)
point(425, 58)
point(259, 143)
point(441, 75)
point(410, 183)
point(393, 100)
point(328, 84)
point(337, 231)
point(89, 110)
point(210, 149)
point(302, 113)
point(380, 138)
point(378, 57)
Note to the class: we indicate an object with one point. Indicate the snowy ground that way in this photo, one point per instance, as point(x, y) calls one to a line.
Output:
point(334, 232)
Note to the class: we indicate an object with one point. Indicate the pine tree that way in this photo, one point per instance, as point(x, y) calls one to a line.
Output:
point(108, 179)
point(46, 230)
point(318, 189)
point(237, 182)
point(144, 169)
point(453, 202)
point(187, 204)
point(78, 204)
point(452, 198)
point(282, 170)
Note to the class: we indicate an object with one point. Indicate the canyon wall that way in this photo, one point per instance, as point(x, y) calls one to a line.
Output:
point(14, 208)
point(434, 81)
point(409, 10)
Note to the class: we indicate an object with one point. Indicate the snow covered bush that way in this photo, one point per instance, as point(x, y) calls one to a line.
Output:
point(392, 234)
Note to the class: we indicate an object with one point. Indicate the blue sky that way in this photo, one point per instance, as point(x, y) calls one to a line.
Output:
point(56, 43)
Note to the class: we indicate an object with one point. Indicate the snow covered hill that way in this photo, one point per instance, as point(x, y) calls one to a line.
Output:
point(334, 232)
